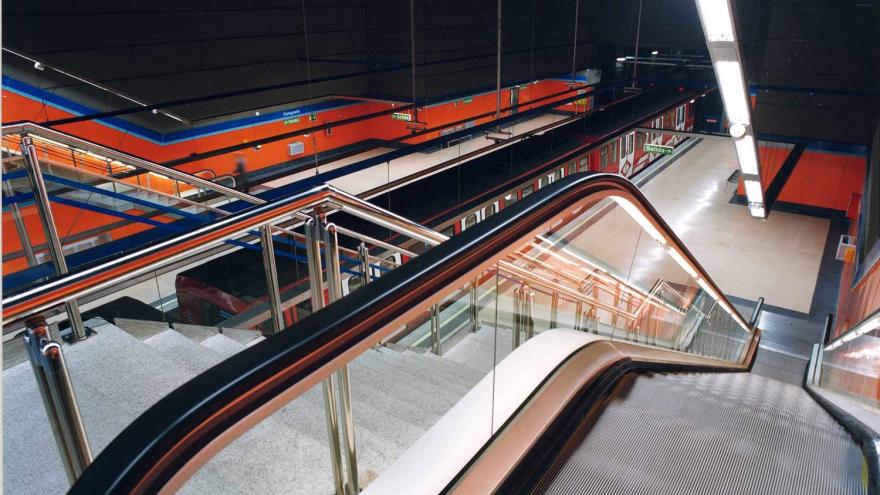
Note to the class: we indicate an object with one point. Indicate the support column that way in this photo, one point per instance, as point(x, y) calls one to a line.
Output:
point(59, 399)
point(316, 286)
point(271, 271)
point(56, 250)
point(334, 290)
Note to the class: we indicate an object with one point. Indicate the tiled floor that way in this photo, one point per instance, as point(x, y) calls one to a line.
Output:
point(777, 259)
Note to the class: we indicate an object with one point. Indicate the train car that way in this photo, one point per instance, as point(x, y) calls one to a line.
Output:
point(207, 294)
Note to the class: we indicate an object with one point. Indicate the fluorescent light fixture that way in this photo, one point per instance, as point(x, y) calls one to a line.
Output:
point(745, 151)
point(682, 262)
point(655, 52)
point(757, 210)
point(733, 91)
point(637, 215)
point(717, 20)
point(621, 59)
point(753, 191)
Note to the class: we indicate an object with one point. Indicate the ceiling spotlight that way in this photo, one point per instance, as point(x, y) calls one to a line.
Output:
point(693, 100)
point(655, 52)
point(155, 111)
point(39, 66)
point(621, 59)
point(257, 113)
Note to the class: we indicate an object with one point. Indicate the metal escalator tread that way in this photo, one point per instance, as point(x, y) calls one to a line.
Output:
point(710, 434)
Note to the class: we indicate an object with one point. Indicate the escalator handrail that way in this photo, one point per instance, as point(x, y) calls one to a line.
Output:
point(183, 430)
point(63, 138)
point(89, 280)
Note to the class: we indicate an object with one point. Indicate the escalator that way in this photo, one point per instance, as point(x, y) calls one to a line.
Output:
point(702, 433)
point(569, 344)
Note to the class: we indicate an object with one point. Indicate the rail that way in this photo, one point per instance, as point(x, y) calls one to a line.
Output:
point(185, 429)
point(73, 142)
point(81, 283)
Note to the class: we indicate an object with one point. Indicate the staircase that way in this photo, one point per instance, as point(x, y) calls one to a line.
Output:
point(127, 366)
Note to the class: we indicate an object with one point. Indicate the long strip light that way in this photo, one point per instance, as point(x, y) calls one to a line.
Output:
point(863, 328)
point(719, 28)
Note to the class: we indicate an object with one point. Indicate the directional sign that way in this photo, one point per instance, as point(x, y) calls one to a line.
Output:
point(659, 149)
point(401, 116)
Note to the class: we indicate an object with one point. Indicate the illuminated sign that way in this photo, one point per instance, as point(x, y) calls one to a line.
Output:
point(401, 116)
point(659, 149)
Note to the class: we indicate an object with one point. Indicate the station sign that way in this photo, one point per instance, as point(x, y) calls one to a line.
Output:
point(313, 117)
point(659, 149)
point(469, 99)
point(292, 121)
point(401, 116)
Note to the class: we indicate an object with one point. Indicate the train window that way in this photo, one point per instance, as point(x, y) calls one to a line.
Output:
point(629, 144)
point(572, 168)
point(603, 161)
point(527, 190)
point(557, 175)
point(585, 164)
point(509, 199)
point(639, 140)
point(621, 147)
point(470, 221)
point(448, 231)
point(542, 182)
point(488, 211)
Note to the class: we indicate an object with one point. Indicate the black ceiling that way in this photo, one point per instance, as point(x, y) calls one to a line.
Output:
point(165, 51)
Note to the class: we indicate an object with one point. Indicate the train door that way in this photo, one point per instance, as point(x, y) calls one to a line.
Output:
point(514, 100)
point(626, 148)
point(478, 216)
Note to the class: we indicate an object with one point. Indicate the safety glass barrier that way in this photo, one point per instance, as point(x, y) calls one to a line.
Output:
point(91, 202)
point(849, 365)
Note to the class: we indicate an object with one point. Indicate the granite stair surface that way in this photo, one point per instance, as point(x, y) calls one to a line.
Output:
point(127, 366)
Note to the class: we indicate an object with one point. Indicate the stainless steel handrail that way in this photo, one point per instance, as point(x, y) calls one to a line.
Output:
point(190, 425)
point(64, 139)
point(87, 281)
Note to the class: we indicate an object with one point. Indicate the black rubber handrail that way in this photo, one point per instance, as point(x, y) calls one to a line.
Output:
point(171, 433)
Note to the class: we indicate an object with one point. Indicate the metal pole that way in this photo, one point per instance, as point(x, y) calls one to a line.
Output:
point(56, 250)
point(333, 435)
point(20, 228)
point(475, 313)
point(364, 258)
point(334, 290)
point(517, 317)
point(412, 45)
point(756, 313)
point(574, 43)
point(59, 399)
point(638, 32)
point(316, 284)
point(554, 310)
point(529, 303)
point(578, 315)
point(435, 329)
point(498, 69)
point(271, 271)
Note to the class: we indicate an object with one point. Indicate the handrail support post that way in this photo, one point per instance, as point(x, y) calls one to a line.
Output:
point(59, 398)
point(56, 250)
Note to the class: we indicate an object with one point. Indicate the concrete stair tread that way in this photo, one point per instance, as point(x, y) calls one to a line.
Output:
point(244, 337)
point(223, 345)
point(374, 369)
point(427, 370)
point(473, 352)
point(199, 333)
point(463, 372)
point(185, 351)
point(115, 376)
point(141, 329)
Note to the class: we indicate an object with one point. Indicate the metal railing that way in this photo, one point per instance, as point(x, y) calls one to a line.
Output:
point(34, 304)
point(255, 380)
